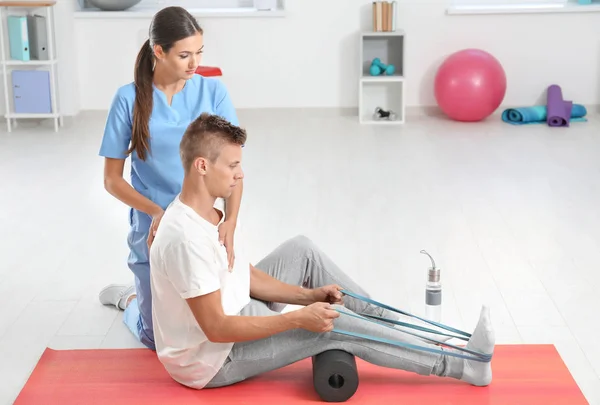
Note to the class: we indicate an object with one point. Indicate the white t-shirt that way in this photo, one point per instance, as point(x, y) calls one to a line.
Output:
point(187, 260)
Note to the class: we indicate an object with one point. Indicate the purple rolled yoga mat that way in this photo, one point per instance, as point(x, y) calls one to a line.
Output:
point(558, 110)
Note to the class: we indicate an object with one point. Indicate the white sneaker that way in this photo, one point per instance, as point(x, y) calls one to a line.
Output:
point(116, 294)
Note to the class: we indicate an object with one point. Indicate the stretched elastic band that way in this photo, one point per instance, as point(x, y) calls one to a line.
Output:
point(379, 304)
point(417, 327)
point(476, 356)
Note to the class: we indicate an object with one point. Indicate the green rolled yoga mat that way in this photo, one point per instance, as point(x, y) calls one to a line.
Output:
point(538, 114)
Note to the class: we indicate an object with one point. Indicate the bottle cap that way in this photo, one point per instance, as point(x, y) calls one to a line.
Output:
point(433, 274)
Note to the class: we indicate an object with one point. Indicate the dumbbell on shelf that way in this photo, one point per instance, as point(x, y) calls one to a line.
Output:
point(379, 68)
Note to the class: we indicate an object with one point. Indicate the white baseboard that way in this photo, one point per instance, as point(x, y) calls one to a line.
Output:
point(420, 110)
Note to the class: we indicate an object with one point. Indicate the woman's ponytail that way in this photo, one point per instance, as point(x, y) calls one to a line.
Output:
point(144, 68)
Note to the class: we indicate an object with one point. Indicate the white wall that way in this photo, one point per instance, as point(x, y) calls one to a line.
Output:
point(309, 58)
point(68, 89)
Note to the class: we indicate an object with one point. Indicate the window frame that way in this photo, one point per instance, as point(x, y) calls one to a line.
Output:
point(506, 3)
point(478, 7)
point(196, 4)
point(198, 8)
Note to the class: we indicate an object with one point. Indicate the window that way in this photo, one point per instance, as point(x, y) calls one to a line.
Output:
point(484, 3)
point(200, 8)
point(518, 6)
point(196, 4)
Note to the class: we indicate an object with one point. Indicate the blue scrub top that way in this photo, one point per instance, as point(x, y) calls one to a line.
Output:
point(160, 177)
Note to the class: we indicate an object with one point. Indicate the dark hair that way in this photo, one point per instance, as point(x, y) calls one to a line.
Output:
point(169, 25)
point(205, 137)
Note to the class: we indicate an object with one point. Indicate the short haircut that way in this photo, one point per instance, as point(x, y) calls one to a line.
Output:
point(205, 137)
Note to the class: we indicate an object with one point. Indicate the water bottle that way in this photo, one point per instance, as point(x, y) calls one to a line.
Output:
point(433, 292)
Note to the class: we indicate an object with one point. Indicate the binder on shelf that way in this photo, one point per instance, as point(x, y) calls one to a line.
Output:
point(38, 38)
point(31, 91)
point(18, 37)
point(394, 14)
point(384, 15)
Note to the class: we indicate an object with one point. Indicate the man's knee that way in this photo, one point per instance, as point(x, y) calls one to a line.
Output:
point(301, 242)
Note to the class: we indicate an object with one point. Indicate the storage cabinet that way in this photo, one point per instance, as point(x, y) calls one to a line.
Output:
point(29, 61)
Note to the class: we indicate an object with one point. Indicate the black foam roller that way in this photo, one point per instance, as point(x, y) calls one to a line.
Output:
point(335, 376)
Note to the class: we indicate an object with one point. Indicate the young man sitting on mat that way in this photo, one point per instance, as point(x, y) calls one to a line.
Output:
point(215, 327)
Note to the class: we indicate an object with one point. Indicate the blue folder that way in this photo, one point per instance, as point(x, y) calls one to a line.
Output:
point(31, 91)
point(18, 37)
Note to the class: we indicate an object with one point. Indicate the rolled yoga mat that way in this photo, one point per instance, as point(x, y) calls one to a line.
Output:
point(559, 110)
point(335, 377)
point(539, 115)
point(522, 374)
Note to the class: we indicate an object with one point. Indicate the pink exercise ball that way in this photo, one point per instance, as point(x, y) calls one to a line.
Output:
point(470, 85)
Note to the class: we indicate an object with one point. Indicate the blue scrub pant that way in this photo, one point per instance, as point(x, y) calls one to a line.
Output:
point(138, 314)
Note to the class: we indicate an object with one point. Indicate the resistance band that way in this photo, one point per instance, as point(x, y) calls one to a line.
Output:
point(477, 356)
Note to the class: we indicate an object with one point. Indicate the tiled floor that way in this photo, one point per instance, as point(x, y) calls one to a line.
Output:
point(509, 213)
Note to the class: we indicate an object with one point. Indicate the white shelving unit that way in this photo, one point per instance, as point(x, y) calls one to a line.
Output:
point(386, 92)
point(46, 9)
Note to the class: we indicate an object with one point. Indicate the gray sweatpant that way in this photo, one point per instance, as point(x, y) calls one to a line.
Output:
point(299, 262)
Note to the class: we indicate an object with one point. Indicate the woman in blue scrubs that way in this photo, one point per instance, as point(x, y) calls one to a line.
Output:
point(146, 121)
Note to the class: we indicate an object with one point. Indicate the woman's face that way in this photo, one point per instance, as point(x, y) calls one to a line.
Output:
point(183, 58)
